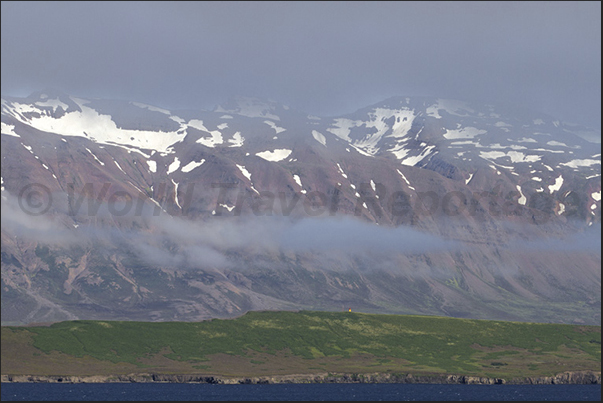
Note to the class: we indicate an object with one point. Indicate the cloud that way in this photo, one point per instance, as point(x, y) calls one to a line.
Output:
point(354, 236)
point(588, 240)
point(42, 228)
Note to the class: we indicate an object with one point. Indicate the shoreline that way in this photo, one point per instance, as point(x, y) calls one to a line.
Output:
point(566, 378)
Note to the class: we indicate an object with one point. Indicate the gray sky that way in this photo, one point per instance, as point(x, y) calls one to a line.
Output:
point(325, 58)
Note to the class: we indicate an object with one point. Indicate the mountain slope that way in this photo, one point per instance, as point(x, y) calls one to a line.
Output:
point(120, 210)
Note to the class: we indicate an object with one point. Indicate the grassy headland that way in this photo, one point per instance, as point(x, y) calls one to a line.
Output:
point(282, 343)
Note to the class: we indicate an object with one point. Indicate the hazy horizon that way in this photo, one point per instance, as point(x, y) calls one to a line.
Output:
point(324, 58)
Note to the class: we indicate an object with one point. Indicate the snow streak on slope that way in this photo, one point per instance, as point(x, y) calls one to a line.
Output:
point(297, 180)
point(192, 165)
point(95, 157)
point(412, 161)
point(405, 180)
point(244, 171)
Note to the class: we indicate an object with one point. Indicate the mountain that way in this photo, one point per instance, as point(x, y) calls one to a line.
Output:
point(121, 210)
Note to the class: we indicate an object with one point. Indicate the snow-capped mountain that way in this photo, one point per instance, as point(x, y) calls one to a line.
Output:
point(484, 176)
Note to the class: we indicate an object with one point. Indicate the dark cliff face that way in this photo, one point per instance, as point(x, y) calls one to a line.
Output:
point(567, 378)
point(184, 215)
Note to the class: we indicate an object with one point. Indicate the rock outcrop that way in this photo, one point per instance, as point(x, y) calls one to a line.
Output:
point(566, 378)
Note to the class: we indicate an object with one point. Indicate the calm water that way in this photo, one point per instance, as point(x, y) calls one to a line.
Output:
point(346, 392)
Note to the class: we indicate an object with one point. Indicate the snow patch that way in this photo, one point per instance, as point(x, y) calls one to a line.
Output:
point(274, 126)
point(526, 140)
point(502, 124)
point(244, 171)
point(9, 130)
point(54, 104)
point(412, 161)
point(402, 122)
point(216, 136)
point(176, 194)
point(319, 137)
point(119, 166)
point(522, 199)
point(515, 156)
point(463, 133)
point(361, 151)
point(192, 165)
point(343, 126)
point(580, 163)
point(405, 180)
point(152, 166)
point(467, 142)
point(90, 124)
point(556, 143)
point(555, 187)
point(341, 171)
point(227, 207)
point(174, 166)
point(561, 209)
point(95, 157)
point(278, 154)
point(297, 180)
point(237, 140)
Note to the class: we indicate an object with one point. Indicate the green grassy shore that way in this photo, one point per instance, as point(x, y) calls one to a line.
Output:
point(284, 343)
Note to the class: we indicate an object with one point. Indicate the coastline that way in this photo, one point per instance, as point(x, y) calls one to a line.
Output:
point(566, 378)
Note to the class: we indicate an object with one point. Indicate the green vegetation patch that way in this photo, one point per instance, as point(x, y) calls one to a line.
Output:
point(421, 343)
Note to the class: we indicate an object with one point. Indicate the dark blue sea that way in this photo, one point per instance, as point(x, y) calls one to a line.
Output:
point(291, 392)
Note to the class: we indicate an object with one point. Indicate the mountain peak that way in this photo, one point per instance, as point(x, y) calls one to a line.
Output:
point(251, 107)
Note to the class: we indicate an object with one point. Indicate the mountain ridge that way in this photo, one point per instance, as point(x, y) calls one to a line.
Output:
point(128, 180)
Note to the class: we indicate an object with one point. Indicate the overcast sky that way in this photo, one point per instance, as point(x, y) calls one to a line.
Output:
point(324, 58)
